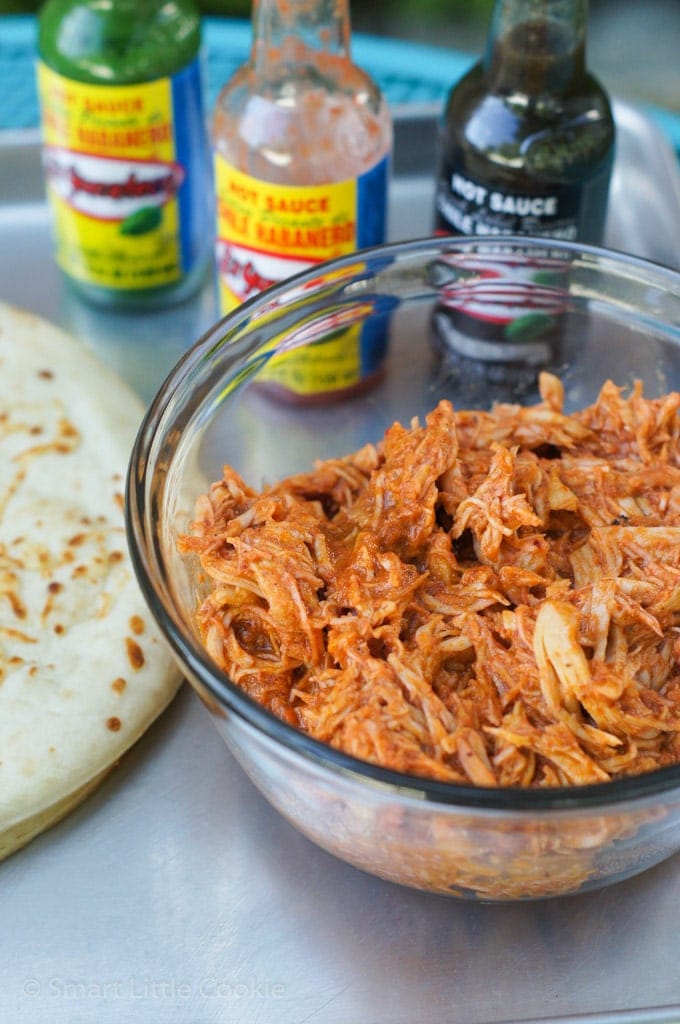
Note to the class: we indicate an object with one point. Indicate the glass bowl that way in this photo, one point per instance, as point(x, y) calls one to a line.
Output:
point(391, 331)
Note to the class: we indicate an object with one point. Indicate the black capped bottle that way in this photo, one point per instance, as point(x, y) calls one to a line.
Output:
point(527, 135)
point(125, 147)
point(302, 141)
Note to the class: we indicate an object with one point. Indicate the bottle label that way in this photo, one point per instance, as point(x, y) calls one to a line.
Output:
point(126, 168)
point(500, 314)
point(268, 232)
point(469, 207)
point(496, 294)
point(332, 365)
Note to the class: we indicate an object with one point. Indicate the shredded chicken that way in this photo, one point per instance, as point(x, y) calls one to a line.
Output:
point(489, 598)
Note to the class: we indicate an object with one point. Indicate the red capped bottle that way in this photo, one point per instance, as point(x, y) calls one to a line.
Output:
point(527, 135)
point(125, 147)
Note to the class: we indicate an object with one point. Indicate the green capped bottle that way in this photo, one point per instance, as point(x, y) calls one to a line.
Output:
point(125, 150)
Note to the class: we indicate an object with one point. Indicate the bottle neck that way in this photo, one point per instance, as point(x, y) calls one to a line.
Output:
point(299, 32)
point(536, 47)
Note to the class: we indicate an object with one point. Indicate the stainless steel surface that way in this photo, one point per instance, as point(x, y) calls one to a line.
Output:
point(175, 893)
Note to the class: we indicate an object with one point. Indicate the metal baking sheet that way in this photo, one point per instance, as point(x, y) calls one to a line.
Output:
point(175, 893)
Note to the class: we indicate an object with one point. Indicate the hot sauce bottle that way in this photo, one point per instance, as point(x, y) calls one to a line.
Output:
point(527, 136)
point(526, 148)
point(125, 147)
point(302, 141)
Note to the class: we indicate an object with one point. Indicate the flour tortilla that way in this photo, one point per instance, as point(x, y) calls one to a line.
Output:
point(83, 669)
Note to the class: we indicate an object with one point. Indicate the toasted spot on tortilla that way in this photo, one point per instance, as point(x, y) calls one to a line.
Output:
point(135, 653)
point(118, 684)
point(9, 588)
point(16, 634)
point(137, 624)
point(113, 723)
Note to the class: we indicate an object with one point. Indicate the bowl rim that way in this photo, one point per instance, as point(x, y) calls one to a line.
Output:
point(205, 675)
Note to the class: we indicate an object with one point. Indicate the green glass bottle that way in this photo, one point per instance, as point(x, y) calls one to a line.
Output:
point(125, 148)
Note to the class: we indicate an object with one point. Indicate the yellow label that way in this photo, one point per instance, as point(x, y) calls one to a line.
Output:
point(112, 180)
point(323, 367)
point(265, 233)
point(268, 232)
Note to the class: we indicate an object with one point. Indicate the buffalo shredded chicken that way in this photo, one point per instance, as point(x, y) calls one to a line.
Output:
point(489, 598)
